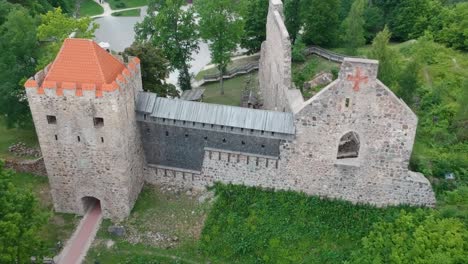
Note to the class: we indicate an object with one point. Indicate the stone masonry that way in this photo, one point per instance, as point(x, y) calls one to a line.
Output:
point(102, 137)
point(85, 159)
point(276, 88)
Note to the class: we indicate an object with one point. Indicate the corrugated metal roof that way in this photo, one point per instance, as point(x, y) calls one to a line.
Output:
point(222, 115)
point(192, 95)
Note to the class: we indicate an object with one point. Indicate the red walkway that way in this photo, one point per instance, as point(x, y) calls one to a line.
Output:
point(76, 248)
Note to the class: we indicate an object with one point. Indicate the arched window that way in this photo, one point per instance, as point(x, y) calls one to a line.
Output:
point(349, 146)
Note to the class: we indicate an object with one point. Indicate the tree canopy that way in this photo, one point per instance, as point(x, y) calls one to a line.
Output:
point(154, 68)
point(221, 25)
point(174, 31)
point(20, 222)
point(55, 27)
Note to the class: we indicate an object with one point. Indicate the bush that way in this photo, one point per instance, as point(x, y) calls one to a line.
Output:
point(298, 49)
point(418, 237)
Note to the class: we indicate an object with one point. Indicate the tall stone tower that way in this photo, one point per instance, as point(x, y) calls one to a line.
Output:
point(83, 107)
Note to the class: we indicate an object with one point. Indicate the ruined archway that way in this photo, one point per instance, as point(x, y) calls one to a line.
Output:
point(89, 202)
point(349, 146)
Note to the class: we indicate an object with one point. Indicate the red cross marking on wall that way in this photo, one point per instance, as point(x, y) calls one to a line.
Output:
point(357, 79)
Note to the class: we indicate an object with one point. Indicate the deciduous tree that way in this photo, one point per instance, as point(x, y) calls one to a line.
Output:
point(321, 22)
point(174, 30)
point(353, 27)
point(55, 27)
point(154, 67)
point(20, 222)
point(18, 47)
point(220, 25)
point(293, 18)
point(255, 25)
point(388, 58)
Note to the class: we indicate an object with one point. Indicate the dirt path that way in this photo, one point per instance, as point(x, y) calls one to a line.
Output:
point(77, 247)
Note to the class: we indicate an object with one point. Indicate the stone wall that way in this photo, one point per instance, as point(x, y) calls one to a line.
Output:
point(183, 146)
point(84, 160)
point(36, 167)
point(276, 90)
point(385, 128)
point(222, 166)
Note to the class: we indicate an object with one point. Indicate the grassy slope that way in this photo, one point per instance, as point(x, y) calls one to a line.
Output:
point(114, 4)
point(232, 65)
point(14, 135)
point(156, 212)
point(128, 13)
point(232, 90)
point(90, 8)
point(248, 225)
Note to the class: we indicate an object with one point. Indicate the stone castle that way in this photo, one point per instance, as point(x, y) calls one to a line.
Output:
point(103, 137)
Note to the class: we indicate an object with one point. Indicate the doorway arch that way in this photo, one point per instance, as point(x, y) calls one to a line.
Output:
point(89, 202)
point(349, 146)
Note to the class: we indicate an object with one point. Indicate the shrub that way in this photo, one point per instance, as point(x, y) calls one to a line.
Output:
point(418, 237)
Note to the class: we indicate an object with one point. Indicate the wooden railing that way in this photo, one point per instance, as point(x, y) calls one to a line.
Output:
point(247, 68)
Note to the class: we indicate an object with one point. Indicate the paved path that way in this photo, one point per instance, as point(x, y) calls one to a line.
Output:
point(108, 10)
point(77, 247)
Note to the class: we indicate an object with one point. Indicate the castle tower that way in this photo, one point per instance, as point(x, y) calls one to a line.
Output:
point(83, 107)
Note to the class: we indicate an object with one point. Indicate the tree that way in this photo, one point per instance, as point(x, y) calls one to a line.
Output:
point(455, 29)
point(411, 18)
point(321, 22)
point(354, 27)
point(375, 21)
point(55, 27)
point(255, 25)
point(418, 237)
point(154, 68)
point(17, 62)
point(293, 18)
point(409, 82)
point(20, 222)
point(221, 25)
point(175, 32)
point(387, 57)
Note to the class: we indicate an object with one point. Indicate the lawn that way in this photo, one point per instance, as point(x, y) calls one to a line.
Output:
point(90, 8)
point(232, 65)
point(177, 219)
point(128, 13)
point(120, 4)
point(13, 135)
point(232, 90)
point(60, 226)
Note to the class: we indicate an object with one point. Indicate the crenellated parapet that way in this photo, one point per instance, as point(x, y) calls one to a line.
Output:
point(41, 86)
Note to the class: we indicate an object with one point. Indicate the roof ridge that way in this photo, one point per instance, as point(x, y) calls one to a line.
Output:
point(101, 71)
point(55, 58)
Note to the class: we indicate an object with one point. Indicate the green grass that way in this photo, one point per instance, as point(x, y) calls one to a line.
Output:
point(128, 13)
point(232, 90)
point(232, 65)
point(250, 225)
point(13, 135)
point(60, 226)
point(90, 8)
point(120, 4)
point(244, 225)
point(157, 212)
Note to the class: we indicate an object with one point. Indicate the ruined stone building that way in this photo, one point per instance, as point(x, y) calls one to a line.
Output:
point(102, 137)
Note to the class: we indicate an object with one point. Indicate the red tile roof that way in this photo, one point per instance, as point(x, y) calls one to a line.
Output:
point(82, 61)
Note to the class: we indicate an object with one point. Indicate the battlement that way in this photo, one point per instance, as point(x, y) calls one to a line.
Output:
point(53, 88)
